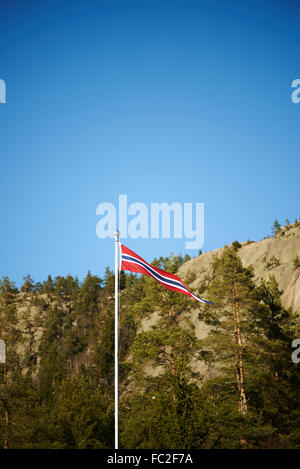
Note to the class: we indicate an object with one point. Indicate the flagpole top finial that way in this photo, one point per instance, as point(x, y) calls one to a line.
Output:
point(116, 235)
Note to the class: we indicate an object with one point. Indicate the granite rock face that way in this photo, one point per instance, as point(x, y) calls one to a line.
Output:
point(273, 256)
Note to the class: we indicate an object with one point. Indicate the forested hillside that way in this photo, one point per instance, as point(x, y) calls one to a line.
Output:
point(57, 387)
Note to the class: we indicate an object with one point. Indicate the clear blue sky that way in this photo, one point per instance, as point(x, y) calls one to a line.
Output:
point(161, 100)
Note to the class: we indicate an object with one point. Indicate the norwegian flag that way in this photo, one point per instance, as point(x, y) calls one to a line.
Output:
point(131, 261)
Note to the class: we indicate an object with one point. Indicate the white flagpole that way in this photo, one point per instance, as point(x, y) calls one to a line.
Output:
point(116, 235)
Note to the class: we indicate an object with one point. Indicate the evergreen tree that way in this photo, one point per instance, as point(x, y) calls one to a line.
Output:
point(233, 324)
point(57, 385)
point(276, 226)
point(12, 384)
point(276, 377)
point(28, 285)
point(166, 348)
point(82, 416)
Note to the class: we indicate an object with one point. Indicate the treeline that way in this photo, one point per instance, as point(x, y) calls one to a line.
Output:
point(57, 387)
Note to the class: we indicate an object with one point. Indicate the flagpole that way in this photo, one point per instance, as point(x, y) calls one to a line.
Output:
point(116, 235)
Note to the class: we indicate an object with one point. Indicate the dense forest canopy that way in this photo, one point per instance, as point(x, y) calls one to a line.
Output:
point(57, 386)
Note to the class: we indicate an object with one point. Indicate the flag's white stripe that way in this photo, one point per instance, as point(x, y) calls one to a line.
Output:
point(154, 275)
point(200, 299)
point(166, 280)
point(161, 278)
point(151, 269)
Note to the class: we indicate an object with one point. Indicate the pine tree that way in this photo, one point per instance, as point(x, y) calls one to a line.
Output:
point(275, 227)
point(16, 391)
point(277, 377)
point(82, 416)
point(167, 348)
point(233, 292)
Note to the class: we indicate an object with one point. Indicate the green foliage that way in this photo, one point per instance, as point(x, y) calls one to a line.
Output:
point(82, 415)
point(232, 322)
point(168, 416)
point(272, 263)
point(270, 377)
point(57, 387)
point(236, 245)
point(28, 285)
point(275, 227)
point(160, 413)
